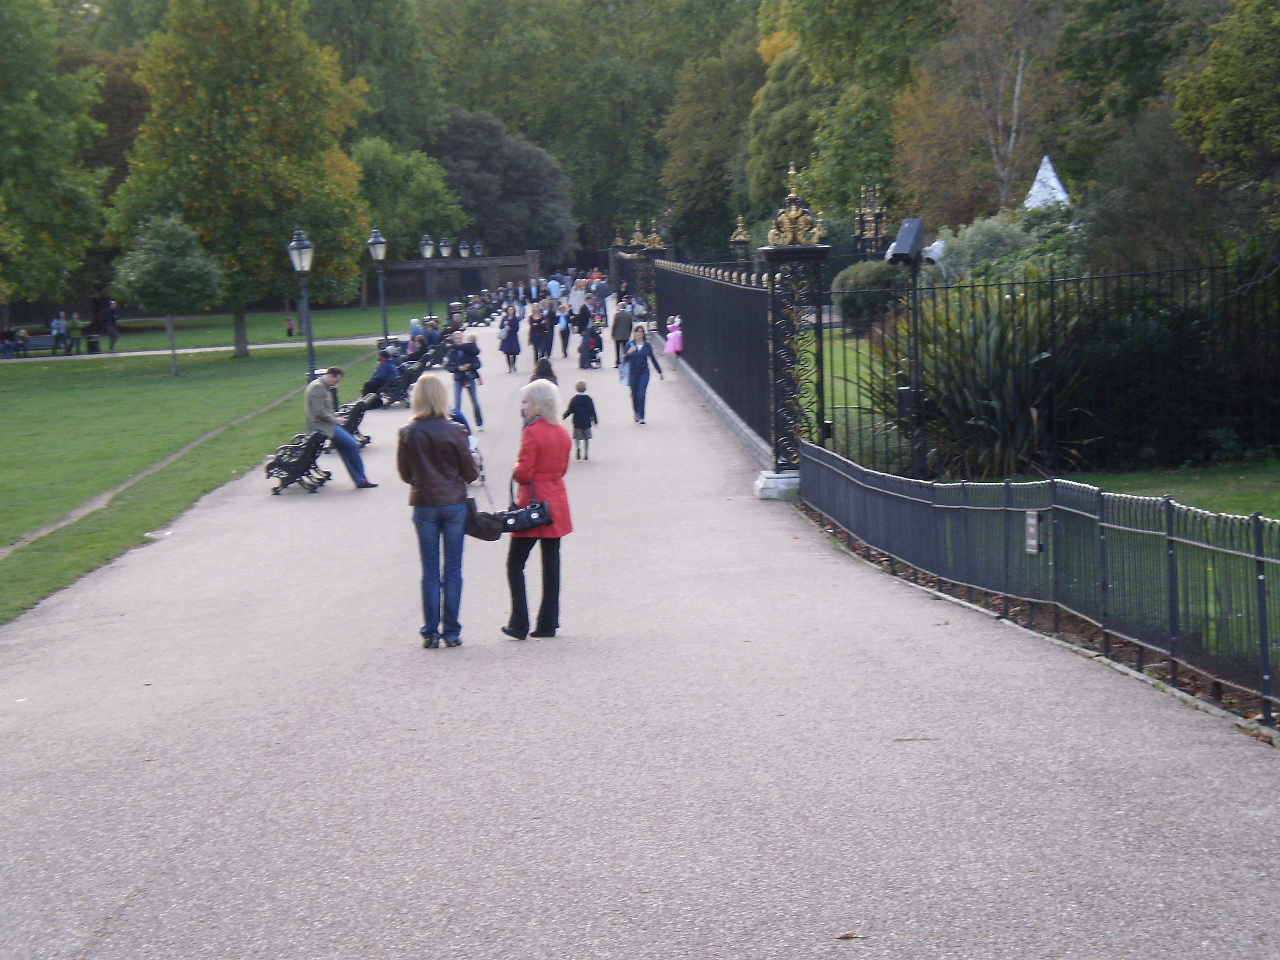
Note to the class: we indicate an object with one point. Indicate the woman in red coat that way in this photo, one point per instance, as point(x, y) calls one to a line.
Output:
point(540, 470)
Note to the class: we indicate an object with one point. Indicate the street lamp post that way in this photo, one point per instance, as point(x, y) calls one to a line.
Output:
point(378, 250)
point(427, 247)
point(301, 250)
point(909, 249)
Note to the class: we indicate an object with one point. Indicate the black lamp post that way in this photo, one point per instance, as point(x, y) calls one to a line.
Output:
point(378, 250)
point(301, 250)
point(739, 240)
point(427, 248)
point(909, 249)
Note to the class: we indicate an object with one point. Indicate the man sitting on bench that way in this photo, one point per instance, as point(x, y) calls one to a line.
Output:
point(386, 372)
point(322, 416)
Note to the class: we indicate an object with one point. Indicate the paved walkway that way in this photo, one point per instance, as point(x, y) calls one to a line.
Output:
point(229, 744)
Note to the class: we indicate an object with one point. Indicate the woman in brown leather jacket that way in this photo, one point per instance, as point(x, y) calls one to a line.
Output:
point(435, 460)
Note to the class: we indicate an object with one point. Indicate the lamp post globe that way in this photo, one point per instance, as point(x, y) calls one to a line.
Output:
point(301, 250)
point(378, 250)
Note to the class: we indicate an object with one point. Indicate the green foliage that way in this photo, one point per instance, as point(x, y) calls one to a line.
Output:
point(126, 23)
point(864, 292)
point(706, 139)
point(382, 42)
point(406, 194)
point(781, 129)
point(986, 374)
point(983, 243)
point(50, 207)
point(1230, 110)
point(854, 147)
point(167, 271)
point(242, 143)
point(590, 82)
point(516, 195)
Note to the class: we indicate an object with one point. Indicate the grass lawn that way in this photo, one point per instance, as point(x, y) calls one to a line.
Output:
point(1239, 488)
point(76, 430)
point(216, 331)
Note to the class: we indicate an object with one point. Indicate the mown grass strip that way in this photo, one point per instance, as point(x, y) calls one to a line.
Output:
point(57, 560)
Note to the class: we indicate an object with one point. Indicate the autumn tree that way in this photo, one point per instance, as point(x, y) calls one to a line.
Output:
point(1229, 109)
point(242, 144)
point(406, 195)
point(49, 205)
point(705, 136)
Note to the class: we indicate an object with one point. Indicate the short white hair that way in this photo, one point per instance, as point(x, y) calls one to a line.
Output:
point(544, 396)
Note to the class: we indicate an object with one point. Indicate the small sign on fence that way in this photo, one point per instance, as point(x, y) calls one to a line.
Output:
point(1033, 532)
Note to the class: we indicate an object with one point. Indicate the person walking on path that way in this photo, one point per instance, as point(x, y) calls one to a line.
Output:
point(583, 410)
point(111, 323)
point(75, 334)
point(638, 357)
point(510, 343)
point(542, 370)
point(322, 416)
point(463, 362)
point(623, 323)
point(539, 471)
point(434, 458)
point(58, 327)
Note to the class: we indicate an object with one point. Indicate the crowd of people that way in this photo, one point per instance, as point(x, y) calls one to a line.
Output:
point(437, 454)
point(69, 334)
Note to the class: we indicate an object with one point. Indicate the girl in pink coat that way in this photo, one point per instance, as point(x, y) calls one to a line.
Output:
point(675, 337)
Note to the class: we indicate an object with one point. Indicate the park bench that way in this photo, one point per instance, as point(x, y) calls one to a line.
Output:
point(42, 342)
point(397, 390)
point(296, 462)
point(354, 412)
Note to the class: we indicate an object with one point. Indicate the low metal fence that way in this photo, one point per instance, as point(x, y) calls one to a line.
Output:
point(1191, 585)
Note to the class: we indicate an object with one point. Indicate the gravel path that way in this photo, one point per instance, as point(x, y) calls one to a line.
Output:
point(229, 744)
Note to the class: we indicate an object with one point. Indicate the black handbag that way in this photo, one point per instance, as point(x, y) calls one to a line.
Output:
point(519, 519)
point(483, 526)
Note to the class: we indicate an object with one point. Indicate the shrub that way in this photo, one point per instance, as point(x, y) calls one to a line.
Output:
point(865, 292)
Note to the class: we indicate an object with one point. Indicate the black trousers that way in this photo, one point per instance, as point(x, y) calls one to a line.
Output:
point(549, 611)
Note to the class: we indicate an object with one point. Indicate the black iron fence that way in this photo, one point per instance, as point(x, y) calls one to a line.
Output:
point(725, 318)
point(1157, 368)
point(1191, 585)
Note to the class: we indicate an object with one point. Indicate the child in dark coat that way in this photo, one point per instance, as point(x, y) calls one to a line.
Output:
point(583, 411)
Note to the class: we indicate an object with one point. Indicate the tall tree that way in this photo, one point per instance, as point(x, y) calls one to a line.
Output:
point(780, 128)
point(242, 143)
point(861, 53)
point(705, 135)
point(1229, 109)
point(515, 194)
point(382, 42)
point(406, 195)
point(49, 207)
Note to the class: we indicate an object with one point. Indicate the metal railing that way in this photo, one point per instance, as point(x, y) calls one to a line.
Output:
point(1191, 585)
point(725, 318)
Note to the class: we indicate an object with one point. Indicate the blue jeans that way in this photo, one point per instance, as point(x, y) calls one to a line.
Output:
point(639, 385)
point(349, 449)
point(433, 523)
point(475, 404)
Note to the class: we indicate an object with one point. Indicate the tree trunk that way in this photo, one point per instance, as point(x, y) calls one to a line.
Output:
point(364, 289)
point(241, 334)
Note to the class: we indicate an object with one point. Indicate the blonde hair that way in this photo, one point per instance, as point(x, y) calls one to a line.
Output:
point(581, 386)
point(544, 397)
point(430, 398)
point(471, 338)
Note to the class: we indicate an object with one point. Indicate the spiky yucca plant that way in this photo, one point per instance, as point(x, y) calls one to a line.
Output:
point(988, 364)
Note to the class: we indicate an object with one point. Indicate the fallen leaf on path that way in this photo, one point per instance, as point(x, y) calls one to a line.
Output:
point(853, 936)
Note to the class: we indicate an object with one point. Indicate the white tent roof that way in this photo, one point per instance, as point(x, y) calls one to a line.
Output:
point(1047, 190)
